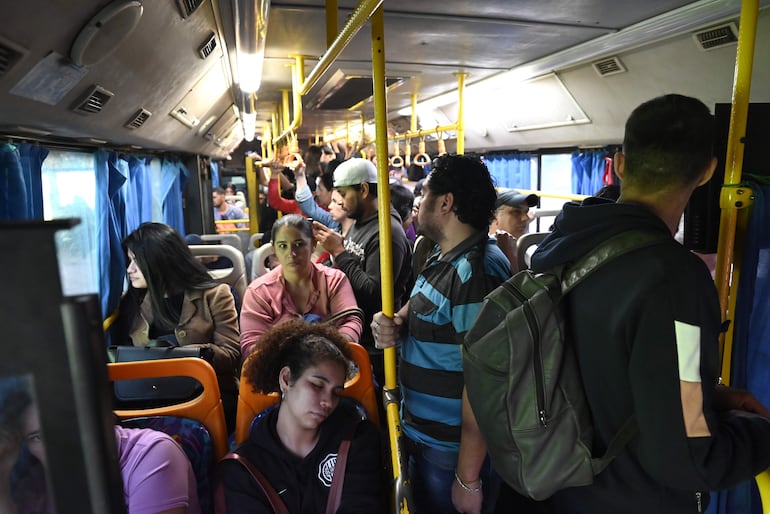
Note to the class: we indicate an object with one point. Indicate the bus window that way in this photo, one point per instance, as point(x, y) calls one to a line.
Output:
point(69, 191)
point(556, 178)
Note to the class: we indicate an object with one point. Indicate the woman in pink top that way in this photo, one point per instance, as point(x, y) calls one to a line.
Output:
point(298, 288)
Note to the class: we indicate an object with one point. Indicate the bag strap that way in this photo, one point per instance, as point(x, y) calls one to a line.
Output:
point(335, 492)
point(275, 501)
point(607, 251)
point(610, 249)
point(346, 312)
point(627, 431)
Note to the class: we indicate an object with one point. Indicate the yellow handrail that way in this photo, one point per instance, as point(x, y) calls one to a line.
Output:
point(734, 167)
point(728, 268)
point(300, 87)
point(386, 256)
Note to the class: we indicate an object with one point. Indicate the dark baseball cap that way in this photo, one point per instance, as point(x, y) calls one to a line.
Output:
point(512, 198)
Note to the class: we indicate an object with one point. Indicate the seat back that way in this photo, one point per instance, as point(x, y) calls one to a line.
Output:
point(235, 277)
point(233, 240)
point(258, 267)
point(526, 245)
point(360, 388)
point(197, 444)
point(206, 408)
point(254, 241)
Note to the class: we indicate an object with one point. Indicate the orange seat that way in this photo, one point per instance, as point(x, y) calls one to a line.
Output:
point(360, 388)
point(206, 408)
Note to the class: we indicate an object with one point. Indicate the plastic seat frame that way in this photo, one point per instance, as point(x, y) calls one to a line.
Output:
point(235, 276)
point(206, 408)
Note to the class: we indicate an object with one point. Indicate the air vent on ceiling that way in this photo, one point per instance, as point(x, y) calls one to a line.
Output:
point(609, 66)
point(93, 101)
point(208, 46)
point(347, 90)
point(8, 57)
point(138, 119)
point(187, 7)
point(715, 37)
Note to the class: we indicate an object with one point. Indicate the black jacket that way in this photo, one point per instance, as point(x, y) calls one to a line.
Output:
point(303, 483)
point(361, 263)
point(624, 321)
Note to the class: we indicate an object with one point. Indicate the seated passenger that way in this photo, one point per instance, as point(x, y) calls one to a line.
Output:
point(234, 197)
point(157, 476)
point(296, 445)
point(172, 301)
point(298, 288)
point(225, 211)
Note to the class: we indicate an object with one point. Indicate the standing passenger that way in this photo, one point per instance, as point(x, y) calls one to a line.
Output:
point(646, 328)
point(225, 211)
point(172, 298)
point(296, 446)
point(359, 254)
point(446, 450)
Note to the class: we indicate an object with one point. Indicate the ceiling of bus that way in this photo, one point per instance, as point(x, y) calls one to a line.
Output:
point(186, 102)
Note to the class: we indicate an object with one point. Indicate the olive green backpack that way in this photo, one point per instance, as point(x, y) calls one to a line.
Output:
point(523, 379)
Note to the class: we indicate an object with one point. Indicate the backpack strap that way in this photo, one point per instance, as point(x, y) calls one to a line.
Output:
point(613, 247)
point(335, 492)
point(607, 251)
point(275, 501)
point(623, 436)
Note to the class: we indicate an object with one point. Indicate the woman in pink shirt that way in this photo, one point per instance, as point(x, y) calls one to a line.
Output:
point(298, 288)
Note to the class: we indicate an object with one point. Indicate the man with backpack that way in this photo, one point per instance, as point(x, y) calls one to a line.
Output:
point(446, 451)
point(645, 329)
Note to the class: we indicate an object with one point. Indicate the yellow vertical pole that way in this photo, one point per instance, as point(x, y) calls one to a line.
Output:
point(733, 168)
point(386, 249)
point(285, 114)
point(332, 27)
point(728, 269)
point(276, 130)
point(252, 187)
point(413, 119)
point(461, 112)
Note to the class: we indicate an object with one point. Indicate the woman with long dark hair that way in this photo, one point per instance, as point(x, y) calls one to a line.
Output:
point(172, 298)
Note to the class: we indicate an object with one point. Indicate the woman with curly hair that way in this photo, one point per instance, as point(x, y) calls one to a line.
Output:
point(295, 446)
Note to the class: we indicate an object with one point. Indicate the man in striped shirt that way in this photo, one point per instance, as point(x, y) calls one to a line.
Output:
point(446, 451)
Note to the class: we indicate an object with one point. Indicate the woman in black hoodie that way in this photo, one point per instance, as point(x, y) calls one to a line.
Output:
point(295, 446)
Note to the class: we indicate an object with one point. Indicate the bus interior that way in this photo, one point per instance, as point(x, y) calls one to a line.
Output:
point(197, 93)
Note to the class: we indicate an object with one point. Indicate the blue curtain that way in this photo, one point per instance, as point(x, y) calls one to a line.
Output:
point(510, 170)
point(588, 171)
point(751, 353)
point(214, 174)
point(111, 227)
point(174, 177)
point(139, 193)
point(21, 185)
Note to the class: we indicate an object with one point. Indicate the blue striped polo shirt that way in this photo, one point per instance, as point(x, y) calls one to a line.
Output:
point(444, 303)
